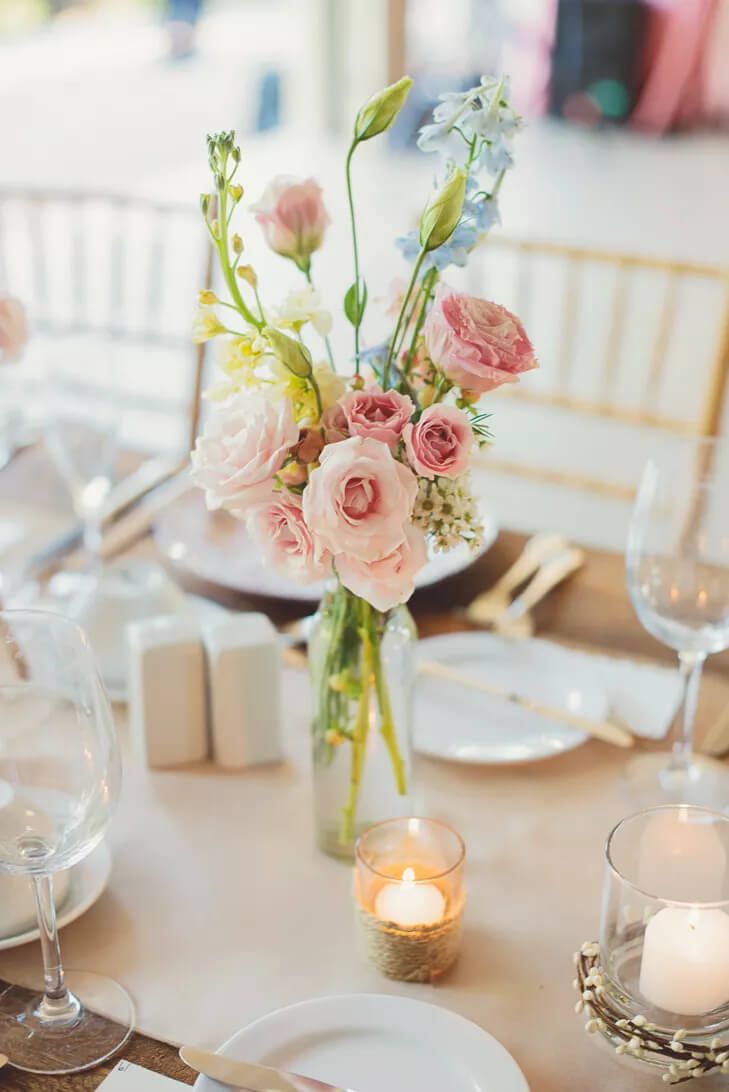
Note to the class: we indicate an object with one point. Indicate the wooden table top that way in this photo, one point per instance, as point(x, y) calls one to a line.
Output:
point(592, 610)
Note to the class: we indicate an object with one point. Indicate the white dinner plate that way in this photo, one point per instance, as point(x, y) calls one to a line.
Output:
point(214, 547)
point(465, 725)
point(373, 1043)
point(88, 880)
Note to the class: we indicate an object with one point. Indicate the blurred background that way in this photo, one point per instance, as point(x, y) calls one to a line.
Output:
point(614, 243)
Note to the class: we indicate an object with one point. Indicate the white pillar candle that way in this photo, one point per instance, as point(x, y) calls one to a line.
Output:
point(685, 964)
point(409, 903)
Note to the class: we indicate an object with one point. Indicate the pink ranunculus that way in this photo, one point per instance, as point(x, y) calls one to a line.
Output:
point(389, 580)
point(293, 217)
point(440, 443)
point(334, 424)
point(359, 499)
point(13, 329)
point(279, 529)
point(245, 442)
point(381, 415)
point(477, 344)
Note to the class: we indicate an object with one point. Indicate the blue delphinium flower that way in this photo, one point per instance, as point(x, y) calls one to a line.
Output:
point(484, 115)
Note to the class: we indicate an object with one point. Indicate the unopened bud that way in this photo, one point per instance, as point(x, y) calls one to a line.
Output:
point(236, 192)
point(204, 203)
point(441, 217)
point(248, 274)
point(207, 297)
point(237, 244)
point(379, 112)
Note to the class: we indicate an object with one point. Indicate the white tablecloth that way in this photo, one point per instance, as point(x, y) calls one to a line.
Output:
point(220, 908)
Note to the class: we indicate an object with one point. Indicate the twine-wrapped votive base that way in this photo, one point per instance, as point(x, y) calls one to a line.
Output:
point(418, 953)
point(409, 898)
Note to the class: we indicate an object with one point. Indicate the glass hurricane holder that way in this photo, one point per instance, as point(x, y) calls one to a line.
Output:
point(657, 985)
point(409, 897)
point(362, 670)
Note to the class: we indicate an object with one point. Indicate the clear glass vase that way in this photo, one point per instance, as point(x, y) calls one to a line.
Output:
point(362, 667)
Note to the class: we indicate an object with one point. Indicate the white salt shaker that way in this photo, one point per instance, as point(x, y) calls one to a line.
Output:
point(167, 694)
point(245, 690)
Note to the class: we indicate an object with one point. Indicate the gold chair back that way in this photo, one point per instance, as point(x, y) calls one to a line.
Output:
point(120, 268)
point(627, 344)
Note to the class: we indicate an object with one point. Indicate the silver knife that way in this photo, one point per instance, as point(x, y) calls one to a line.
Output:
point(251, 1077)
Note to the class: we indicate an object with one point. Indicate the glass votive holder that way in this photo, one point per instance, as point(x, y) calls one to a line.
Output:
point(409, 897)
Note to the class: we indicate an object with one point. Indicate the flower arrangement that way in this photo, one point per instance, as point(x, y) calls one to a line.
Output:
point(349, 473)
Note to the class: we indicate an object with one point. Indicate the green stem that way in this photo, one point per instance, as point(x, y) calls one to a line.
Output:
point(406, 299)
point(429, 281)
point(223, 253)
point(355, 249)
point(387, 723)
point(361, 727)
point(327, 343)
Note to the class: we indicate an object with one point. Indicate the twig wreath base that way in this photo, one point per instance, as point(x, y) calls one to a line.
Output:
point(421, 953)
point(682, 1059)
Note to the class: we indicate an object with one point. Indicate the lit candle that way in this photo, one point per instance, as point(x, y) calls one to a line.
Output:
point(409, 903)
point(685, 964)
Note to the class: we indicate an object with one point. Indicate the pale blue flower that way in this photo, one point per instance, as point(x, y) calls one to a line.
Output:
point(484, 115)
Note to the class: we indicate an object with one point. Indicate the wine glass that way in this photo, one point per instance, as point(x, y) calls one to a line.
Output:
point(678, 576)
point(82, 429)
point(59, 781)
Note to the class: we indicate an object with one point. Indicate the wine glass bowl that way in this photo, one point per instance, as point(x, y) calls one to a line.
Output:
point(60, 776)
point(677, 564)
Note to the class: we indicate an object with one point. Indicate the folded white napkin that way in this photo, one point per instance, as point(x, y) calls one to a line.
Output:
point(644, 696)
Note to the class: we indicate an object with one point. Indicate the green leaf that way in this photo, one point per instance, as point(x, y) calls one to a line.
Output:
point(354, 308)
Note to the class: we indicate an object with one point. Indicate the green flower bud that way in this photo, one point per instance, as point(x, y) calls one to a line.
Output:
point(237, 244)
point(236, 192)
point(219, 181)
point(204, 203)
point(292, 354)
point(441, 216)
point(379, 112)
point(236, 154)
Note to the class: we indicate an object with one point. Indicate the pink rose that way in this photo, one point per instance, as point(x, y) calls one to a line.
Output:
point(381, 415)
point(279, 529)
point(440, 443)
point(359, 499)
point(391, 579)
point(245, 443)
point(13, 329)
point(334, 424)
point(293, 217)
point(479, 345)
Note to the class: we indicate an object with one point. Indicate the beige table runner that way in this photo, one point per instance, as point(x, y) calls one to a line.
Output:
point(220, 908)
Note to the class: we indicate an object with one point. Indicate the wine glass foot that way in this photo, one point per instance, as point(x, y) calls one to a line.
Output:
point(97, 1024)
point(653, 779)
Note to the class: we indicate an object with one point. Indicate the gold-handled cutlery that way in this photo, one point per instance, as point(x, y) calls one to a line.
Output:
point(249, 1076)
point(487, 607)
point(606, 730)
point(516, 620)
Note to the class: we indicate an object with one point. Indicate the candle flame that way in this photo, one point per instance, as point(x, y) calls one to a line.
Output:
point(408, 875)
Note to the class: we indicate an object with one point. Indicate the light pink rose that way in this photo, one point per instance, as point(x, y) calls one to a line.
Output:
point(381, 415)
point(359, 499)
point(245, 443)
point(440, 443)
point(478, 345)
point(279, 529)
point(13, 329)
point(391, 579)
point(293, 217)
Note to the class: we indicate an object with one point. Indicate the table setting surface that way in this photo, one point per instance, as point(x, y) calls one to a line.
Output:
point(217, 913)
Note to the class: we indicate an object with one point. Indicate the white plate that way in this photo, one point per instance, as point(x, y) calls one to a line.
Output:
point(373, 1043)
point(88, 880)
point(214, 547)
point(466, 726)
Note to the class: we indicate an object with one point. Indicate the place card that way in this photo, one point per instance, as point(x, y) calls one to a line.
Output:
point(128, 1077)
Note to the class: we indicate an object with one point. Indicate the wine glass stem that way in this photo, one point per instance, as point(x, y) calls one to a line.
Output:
point(57, 1002)
point(692, 664)
point(92, 536)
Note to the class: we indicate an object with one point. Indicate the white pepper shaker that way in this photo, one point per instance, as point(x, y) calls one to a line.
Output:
point(244, 675)
point(167, 693)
